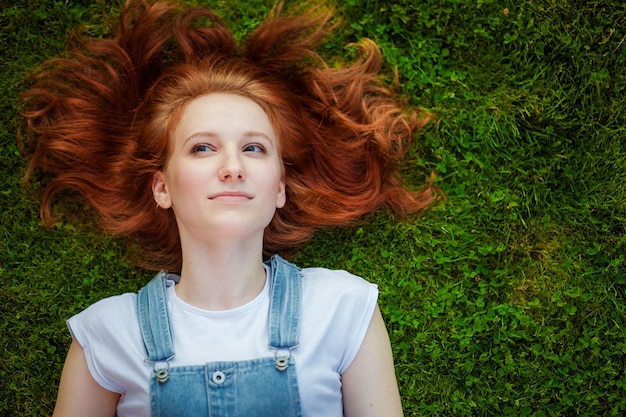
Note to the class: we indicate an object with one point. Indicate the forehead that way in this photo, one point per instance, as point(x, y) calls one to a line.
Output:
point(223, 114)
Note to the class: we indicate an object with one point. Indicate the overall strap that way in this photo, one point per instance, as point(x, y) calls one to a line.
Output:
point(285, 305)
point(154, 320)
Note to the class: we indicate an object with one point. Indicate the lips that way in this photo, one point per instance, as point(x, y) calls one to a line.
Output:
point(230, 196)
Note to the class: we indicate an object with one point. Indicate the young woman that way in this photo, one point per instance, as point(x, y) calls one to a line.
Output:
point(210, 156)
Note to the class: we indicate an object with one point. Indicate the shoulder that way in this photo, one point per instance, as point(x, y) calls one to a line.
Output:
point(337, 278)
point(337, 286)
point(109, 314)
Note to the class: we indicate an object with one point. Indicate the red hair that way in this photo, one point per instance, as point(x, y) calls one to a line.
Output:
point(99, 121)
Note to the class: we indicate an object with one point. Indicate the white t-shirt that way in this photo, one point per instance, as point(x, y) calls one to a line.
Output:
point(336, 311)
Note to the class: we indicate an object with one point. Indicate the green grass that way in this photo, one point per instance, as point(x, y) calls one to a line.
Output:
point(507, 298)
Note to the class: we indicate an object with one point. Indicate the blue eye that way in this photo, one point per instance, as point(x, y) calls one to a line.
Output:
point(201, 148)
point(254, 147)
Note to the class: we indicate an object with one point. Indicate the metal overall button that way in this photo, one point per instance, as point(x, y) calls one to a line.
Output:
point(282, 363)
point(161, 374)
point(282, 359)
point(218, 377)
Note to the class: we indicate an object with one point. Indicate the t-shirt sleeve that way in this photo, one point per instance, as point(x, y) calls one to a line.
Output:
point(364, 306)
point(339, 306)
point(105, 331)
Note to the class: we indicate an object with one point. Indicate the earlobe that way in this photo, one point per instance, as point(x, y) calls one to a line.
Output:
point(159, 191)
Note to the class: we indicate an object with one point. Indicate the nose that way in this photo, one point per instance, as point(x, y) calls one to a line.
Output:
point(231, 168)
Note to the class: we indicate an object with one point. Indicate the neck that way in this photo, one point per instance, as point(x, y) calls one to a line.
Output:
point(221, 276)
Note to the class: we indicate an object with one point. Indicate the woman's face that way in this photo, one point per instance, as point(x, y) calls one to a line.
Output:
point(224, 173)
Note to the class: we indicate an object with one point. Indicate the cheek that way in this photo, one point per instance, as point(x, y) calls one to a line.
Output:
point(187, 180)
point(267, 180)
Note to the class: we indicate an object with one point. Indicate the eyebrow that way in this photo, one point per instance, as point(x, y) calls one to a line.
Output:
point(248, 134)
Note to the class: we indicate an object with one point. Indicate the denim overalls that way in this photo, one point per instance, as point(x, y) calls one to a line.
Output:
point(258, 387)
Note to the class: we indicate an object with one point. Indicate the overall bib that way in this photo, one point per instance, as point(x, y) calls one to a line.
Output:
point(258, 387)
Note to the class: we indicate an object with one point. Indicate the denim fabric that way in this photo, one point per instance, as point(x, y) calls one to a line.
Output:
point(248, 388)
point(154, 319)
point(258, 387)
point(285, 303)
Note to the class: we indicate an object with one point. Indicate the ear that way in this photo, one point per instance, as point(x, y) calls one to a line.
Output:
point(281, 198)
point(160, 192)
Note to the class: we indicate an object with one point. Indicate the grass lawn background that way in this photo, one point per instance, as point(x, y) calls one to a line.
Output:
point(506, 298)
